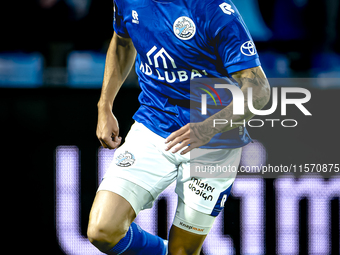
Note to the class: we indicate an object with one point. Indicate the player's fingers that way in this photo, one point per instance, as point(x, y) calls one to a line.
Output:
point(174, 142)
point(178, 139)
point(177, 133)
point(190, 147)
point(108, 143)
point(180, 146)
point(172, 136)
point(115, 132)
point(186, 150)
point(116, 142)
point(104, 146)
point(100, 139)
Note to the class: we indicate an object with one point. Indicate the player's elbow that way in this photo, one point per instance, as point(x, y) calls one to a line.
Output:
point(265, 92)
point(263, 85)
point(260, 94)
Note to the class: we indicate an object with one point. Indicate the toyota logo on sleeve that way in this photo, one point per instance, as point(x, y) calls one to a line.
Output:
point(248, 48)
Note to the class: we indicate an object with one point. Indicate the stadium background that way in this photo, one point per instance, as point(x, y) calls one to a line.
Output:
point(52, 56)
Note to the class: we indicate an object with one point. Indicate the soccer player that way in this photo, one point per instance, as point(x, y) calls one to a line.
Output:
point(172, 43)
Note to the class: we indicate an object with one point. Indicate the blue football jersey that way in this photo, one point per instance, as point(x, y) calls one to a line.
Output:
point(178, 41)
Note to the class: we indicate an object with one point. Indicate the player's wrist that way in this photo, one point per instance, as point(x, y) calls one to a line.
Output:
point(104, 105)
point(206, 129)
point(211, 127)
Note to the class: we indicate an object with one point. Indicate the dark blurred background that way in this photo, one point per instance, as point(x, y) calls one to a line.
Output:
point(52, 55)
point(296, 38)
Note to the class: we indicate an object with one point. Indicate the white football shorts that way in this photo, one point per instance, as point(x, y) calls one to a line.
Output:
point(142, 164)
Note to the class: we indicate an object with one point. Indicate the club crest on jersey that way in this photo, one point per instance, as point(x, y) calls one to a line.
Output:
point(125, 159)
point(184, 28)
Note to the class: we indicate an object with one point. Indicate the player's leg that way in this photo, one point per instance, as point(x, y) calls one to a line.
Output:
point(137, 175)
point(111, 228)
point(201, 198)
point(182, 242)
point(189, 230)
point(110, 218)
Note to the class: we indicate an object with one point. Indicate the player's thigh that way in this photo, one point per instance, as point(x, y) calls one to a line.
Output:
point(205, 191)
point(200, 199)
point(110, 217)
point(142, 161)
point(138, 173)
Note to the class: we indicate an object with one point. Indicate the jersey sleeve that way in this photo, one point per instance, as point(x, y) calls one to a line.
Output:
point(233, 42)
point(118, 21)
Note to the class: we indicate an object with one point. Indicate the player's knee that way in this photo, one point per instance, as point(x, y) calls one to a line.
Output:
point(104, 238)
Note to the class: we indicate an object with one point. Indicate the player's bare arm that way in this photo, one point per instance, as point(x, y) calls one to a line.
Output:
point(198, 134)
point(119, 61)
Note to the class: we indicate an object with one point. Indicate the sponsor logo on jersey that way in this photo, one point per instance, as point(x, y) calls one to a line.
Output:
point(184, 28)
point(248, 48)
point(159, 62)
point(125, 159)
point(135, 17)
point(201, 189)
point(226, 8)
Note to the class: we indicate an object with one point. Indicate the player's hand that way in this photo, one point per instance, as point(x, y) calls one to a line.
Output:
point(190, 135)
point(108, 129)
